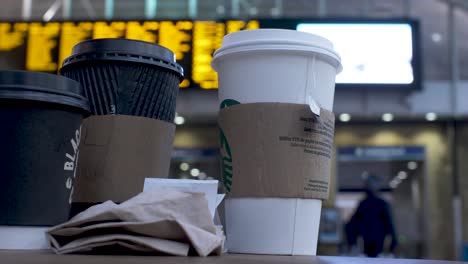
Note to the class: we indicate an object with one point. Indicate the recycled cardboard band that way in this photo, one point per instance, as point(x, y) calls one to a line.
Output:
point(117, 153)
point(276, 150)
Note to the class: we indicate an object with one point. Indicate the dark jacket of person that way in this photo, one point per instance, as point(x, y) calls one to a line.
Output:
point(373, 222)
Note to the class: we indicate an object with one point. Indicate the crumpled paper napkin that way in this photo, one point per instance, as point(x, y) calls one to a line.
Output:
point(158, 222)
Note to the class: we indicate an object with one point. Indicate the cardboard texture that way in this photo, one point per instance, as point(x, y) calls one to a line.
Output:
point(276, 150)
point(117, 153)
point(157, 222)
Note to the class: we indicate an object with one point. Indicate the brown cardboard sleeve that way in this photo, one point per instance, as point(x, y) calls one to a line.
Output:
point(117, 153)
point(276, 150)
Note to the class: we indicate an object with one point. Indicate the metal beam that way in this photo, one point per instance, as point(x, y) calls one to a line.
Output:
point(67, 9)
point(454, 63)
point(322, 8)
point(50, 13)
point(26, 9)
point(460, 3)
point(407, 8)
point(192, 8)
point(235, 8)
point(89, 8)
point(109, 9)
point(151, 7)
point(453, 56)
point(278, 8)
point(367, 8)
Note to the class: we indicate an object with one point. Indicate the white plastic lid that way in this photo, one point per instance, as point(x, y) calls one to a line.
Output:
point(277, 39)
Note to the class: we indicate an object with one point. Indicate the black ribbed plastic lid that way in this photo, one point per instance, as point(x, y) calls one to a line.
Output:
point(43, 87)
point(121, 49)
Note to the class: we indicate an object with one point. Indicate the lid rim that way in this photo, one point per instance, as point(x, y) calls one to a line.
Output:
point(103, 45)
point(121, 49)
point(83, 106)
point(39, 89)
point(42, 87)
point(102, 40)
point(90, 56)
point(276, 39)
point(268, 43)
point(331, 56)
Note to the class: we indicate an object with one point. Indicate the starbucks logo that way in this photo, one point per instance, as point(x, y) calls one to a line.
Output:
point(226, 154)
point(227, 103)
point(226, 165)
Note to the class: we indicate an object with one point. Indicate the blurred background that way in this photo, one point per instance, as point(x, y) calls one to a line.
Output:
point(403, 119)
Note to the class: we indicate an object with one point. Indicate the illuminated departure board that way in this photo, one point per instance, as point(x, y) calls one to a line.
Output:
point(13, 45)
point(207, 37)
point(72, 33)
point(42, 46)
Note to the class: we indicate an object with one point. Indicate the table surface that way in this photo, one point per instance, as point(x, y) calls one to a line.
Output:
point(42, 257)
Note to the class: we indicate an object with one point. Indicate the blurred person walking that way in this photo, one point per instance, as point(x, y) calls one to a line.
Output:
point(372, 221)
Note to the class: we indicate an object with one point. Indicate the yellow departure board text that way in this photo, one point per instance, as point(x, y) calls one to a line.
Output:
point(42, 40)
point(109, 30)
point(42, 46)
point(12, 35)
point(238, 25)
point(176, 36)
point(207, 37)
point(71, 34)
point(184, 84)
point(145, 31)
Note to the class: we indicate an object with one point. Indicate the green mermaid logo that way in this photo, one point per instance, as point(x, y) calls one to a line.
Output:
point(226, 154)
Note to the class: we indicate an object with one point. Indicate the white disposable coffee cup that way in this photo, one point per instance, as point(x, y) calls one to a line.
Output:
point(276, 65)
point(286, 66)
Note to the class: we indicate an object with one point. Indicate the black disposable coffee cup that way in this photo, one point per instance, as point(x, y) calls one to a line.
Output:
point(41, 116)
point(126, 77)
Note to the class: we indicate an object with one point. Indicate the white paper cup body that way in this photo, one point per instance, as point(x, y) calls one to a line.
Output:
point(278, 226)
point(286, 66)
point(272, 65)
point(23, 238)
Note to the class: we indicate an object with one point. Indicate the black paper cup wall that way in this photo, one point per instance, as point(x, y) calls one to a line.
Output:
point(126, 77)
point(41, 116)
